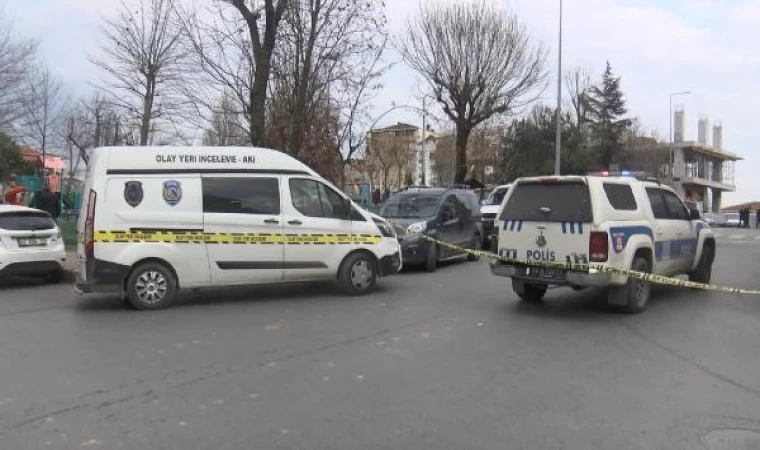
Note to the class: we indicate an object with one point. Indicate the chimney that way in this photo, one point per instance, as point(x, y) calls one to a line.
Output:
point(718, 136)
point(678, 124)
point(702, 130)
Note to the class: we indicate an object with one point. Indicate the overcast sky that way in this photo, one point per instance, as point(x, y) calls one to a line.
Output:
point(709, 47)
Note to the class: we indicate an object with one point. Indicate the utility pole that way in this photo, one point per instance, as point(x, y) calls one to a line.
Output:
point(559, 99)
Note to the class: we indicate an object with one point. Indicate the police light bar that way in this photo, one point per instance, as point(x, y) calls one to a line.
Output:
point(624, 173)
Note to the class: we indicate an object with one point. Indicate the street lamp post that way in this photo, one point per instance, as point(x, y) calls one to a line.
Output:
point(670, 134)
point(559, 99)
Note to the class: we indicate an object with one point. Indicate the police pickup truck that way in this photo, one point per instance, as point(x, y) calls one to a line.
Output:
point(615, 221)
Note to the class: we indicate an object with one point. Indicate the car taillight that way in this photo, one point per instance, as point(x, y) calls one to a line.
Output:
point(89, 226)
point(598, 246)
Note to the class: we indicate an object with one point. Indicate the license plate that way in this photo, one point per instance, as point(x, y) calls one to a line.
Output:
point(31, 242)
point(544, 272)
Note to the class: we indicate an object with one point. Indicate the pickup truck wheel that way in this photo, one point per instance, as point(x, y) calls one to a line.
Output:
point(529, 293)
point(635, 293)
point(703, 272)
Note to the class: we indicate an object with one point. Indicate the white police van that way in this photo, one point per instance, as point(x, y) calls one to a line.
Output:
point(615, 221)
point(156, 219)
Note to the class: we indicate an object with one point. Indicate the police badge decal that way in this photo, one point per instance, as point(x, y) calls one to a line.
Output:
point(172, 192)
point(133, 193)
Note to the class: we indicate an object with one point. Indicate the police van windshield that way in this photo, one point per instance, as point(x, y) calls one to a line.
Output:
point(555, 202)
point(411, 206)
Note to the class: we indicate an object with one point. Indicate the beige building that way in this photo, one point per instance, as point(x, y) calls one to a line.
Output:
point(399, 154)
point(701, 171)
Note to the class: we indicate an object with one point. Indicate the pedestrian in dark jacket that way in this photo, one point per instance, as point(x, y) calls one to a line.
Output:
point(48, 202)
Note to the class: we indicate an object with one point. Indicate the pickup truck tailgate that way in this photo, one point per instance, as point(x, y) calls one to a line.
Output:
point(547, 221)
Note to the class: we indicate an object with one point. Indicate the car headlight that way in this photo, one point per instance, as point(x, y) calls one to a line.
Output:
point(417, 227)
point(385, 228)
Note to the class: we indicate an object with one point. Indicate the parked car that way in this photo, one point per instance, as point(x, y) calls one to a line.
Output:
point(732, 220)
point(489, 209)
point(449, 215)
point(715, 219)
point(30, 244)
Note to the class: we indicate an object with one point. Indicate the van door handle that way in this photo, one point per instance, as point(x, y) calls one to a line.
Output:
point(273, 221)
point(295, 222)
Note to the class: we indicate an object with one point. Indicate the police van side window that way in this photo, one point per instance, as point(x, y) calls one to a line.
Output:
point(241, 196)
point(620, 196)
point(659, 209)
point(314, 199)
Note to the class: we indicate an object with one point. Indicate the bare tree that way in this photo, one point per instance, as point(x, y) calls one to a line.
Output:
point(390, 155)
point(95, 122)
point(43, 110)
point(234, 54)
point(225, 128)
point(329, 57)
point(578, 84)
point(143, 62)
point(17, 56)
point(479, 61)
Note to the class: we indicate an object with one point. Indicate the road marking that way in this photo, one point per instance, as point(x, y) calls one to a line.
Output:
point(736, 236)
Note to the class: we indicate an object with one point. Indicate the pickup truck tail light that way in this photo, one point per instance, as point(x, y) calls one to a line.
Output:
point(598, 246)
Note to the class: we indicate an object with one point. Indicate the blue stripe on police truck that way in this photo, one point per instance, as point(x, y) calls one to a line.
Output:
point(513, 225)
point(677, 248)
point(572, 227)
point(621, 235)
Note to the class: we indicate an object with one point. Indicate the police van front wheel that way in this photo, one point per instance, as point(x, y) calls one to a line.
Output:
point(358, 274)
point(151, 286)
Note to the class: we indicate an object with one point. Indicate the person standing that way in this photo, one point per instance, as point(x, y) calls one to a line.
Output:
point(47, 201)
point(757, 218)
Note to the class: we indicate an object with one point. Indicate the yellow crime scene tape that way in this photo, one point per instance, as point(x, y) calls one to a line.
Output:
point(649, 277)
point(199, 237)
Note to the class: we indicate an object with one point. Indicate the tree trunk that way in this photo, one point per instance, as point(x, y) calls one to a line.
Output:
point(147, 113)
point(463, 135)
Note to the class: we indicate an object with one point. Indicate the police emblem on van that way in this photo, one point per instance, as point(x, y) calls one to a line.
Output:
point(172, 192)
point(133, 193)
point(541, 239)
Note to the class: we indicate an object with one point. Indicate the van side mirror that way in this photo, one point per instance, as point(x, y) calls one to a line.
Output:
point(694, 214)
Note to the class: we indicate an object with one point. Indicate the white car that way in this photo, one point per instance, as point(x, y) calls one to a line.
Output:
point(489, 209)
point(618, 222)
point(30, 244)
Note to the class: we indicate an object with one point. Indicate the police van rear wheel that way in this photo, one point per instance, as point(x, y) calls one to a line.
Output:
point(151, 286)
point(357, 274)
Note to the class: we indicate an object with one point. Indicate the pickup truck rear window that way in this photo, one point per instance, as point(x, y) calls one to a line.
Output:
point(554, 202)
point(26, 221)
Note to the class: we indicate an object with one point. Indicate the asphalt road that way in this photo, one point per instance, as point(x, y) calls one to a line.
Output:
point(449, 360)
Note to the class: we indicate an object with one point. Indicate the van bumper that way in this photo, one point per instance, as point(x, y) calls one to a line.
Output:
point(591, 278)
point(102, 276)
point(390, 264)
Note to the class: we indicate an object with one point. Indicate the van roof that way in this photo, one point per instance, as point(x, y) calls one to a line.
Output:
point(166, 159)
